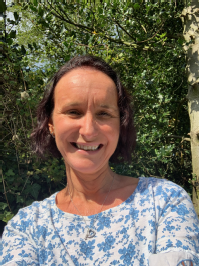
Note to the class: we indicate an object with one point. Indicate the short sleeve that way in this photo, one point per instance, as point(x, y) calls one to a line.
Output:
point(18, 247)
point(177, 239)
point(178, 258)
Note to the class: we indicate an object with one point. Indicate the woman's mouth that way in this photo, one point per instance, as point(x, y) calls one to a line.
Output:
point(87, 147)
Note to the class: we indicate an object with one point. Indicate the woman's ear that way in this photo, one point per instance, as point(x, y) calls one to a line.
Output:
point(51, 127)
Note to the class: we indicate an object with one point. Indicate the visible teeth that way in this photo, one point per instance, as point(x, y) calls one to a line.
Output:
point(87, 148)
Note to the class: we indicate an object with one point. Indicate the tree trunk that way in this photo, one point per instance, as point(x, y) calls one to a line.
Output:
point(190, 18)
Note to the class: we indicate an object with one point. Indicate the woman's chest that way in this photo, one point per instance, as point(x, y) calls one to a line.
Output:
point(124, 238)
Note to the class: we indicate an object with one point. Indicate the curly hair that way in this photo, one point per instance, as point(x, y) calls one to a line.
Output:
point(44, 143)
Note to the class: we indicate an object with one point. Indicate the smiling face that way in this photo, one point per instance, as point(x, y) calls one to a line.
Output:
point(85, 119)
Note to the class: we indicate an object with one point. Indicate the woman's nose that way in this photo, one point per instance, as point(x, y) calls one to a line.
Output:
point(88, 127)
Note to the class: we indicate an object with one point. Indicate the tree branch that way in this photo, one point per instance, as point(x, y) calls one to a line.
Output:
point(125, 30)
point(5, 193)
point(153, 35)
point(177, 137)
point(104, 35)
point(69, 21)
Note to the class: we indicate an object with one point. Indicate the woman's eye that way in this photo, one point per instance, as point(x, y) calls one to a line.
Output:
point(73, 112)
point(104, 114)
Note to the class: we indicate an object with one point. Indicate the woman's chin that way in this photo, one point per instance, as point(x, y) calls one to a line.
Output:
point(85, 166)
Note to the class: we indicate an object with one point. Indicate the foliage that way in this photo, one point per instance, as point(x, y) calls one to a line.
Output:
point(143, 42)
point(24, 178)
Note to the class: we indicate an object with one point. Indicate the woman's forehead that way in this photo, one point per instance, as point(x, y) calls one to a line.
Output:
point(85, 80)
point(84, 73)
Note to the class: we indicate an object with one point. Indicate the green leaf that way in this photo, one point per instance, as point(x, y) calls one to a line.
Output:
point(35, 2)
point(100, 10)
point(62, 29)
point(20, 199)
point(13, 34)
point(136, 6)
point(3, 6)
point(33, 8)
point(40, 11)
point(65, 43)
point(7, 216)
point(10, 172)
point(23, 50)
point(3, 205)
point(35, 190)
point(9, 41)
point(16, 16)
point(34, 44)
point(25, 7)
point(29, 202)
point(30, 46)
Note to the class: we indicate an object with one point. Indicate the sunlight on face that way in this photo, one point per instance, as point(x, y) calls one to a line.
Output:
point(86, 119)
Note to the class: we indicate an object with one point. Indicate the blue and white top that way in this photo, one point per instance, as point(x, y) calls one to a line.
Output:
point(156, 225)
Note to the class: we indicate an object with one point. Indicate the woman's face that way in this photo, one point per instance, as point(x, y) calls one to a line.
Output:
point(85, 119)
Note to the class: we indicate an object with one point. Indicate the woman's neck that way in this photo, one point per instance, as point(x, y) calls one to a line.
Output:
point(89, 187)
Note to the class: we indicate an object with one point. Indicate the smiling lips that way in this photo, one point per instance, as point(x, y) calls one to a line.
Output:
point(86, 147)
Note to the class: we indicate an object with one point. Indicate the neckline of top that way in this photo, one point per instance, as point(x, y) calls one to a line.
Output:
point(113, 209)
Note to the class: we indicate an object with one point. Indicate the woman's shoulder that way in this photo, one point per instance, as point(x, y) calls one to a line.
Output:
point(156, 189)
point(162, 191)
point(166, 195)
point(43, 204)
point(38, 210)
point(159, 186)
point(144, 183)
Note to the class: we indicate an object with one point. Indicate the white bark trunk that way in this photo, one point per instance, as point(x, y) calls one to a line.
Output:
point(190, 18)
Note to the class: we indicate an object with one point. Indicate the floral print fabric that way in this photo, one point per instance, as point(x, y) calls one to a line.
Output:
point(157, 220)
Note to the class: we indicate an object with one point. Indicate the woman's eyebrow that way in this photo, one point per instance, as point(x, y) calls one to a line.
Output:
point(108, 107)
point(72, 104)
point(105, 106)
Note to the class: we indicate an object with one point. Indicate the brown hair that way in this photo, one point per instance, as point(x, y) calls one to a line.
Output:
point(44, 143)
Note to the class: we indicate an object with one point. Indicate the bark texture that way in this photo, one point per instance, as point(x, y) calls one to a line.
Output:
point(190, 18)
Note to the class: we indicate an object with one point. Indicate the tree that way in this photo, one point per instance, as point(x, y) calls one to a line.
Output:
point(190, 18)
point(21, 183)
point(145, 39)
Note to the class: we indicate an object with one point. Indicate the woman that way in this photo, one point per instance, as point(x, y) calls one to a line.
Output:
point(100, 218)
